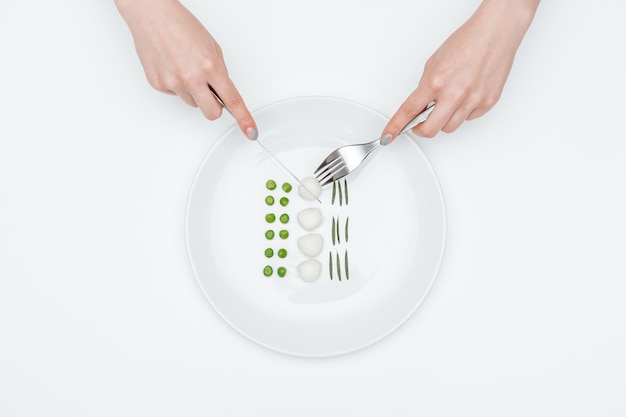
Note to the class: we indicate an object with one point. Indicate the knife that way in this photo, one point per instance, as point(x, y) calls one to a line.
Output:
point(266, 149)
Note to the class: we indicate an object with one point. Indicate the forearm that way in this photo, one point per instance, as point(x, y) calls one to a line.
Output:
point(510, 18)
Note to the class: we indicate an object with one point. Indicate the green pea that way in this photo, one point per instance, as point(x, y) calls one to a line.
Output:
point(269, 200)
point(282, 271)
point(270, 218)
point(269, 252)
point(284, 218)
point(284, 201)
point(268, 271)
point(284, 234)
point(270, 184)
point(286, 187)
point(269, 235)
point(282, 253)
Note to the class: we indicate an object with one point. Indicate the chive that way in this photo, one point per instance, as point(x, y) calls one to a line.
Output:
point(345, 264)
point(284, 234)
point(338, 267)
point(268, 271)
point(338, 234)
point(269, 200)
point(270, 218)
point(333, 233)
point(269, 252)
point(282, 271)
point(346, 232)
point(284, 218)
point(270, 184)
point(269, 235)
point(284, 201)
point(332, 200)
point(286, 187)
point(345, 189)
point(282, 253)
point(330, 264)
point(340, 193)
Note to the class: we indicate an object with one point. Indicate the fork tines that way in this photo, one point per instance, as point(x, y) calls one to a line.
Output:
point(326, 172)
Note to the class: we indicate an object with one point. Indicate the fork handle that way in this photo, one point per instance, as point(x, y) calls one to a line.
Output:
point(419, 118)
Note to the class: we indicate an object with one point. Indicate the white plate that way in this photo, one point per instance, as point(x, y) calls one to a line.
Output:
point(396, 231)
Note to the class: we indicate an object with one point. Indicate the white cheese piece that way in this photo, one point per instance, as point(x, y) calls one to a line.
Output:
point(310, 270)
point(310, 218)
point(311, 244)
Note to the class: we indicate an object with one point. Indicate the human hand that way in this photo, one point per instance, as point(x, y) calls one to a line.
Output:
point(466, 75)
point(180, 57)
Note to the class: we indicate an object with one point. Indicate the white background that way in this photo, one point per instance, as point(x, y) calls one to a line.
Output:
point(100, 314)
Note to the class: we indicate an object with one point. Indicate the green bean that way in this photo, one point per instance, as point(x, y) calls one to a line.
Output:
point(332, 200)
point(340, 193)
point(330, 264)
point(346, 231)
point(338, 267)
point(345, 264)
point(345, 189)
point(333, 231)
point(338, 234)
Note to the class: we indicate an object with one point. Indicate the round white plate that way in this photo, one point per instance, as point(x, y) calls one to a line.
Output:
point(396, 231)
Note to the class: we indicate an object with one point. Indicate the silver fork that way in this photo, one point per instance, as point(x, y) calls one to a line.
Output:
point(346, 159)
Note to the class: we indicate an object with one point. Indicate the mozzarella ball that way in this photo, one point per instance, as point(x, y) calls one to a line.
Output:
point(313, 188)
point(310, 270)
point(311, 244)
point(310, 218)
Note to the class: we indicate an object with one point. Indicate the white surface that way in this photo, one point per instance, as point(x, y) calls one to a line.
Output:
point(100, 314)
point(393, 260)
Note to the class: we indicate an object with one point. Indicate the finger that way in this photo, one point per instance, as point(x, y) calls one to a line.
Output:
point(437, 119)
point(457, 119)
point(186, 97)
point(411, 107)
point(235, 104)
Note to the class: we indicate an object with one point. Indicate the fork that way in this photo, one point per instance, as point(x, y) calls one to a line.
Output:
point(347, 158)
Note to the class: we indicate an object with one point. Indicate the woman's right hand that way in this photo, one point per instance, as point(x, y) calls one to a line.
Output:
point(180, 57)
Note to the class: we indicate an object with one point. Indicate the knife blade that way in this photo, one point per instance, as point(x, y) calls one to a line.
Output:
point(266, 149)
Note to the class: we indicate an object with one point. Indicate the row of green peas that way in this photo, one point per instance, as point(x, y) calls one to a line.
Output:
point(270, 218)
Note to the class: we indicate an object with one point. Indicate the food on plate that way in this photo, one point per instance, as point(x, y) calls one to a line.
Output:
point(284, 201)
point(270, 217)
point(269, 252)
point(311, 245)
point(313, 188)
point(281, 271)
point(284, 218)
point(269, 235)
point(268, 271)
point(270, 184)
point(309, 270)
point(282, 253)
point(310, 218)
point(269, 200)
point(287, 187)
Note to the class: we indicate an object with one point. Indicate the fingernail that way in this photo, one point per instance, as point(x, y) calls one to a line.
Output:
point(251, 133)
point(385, 139)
